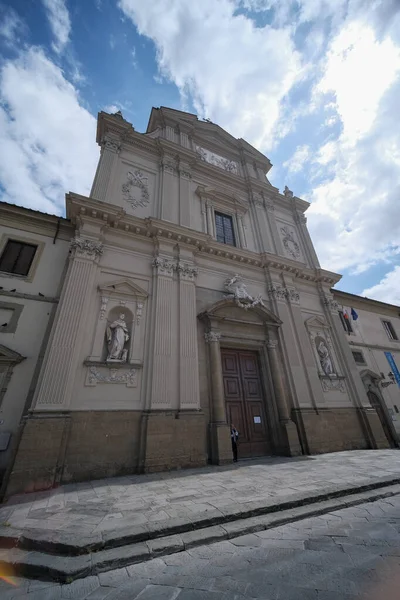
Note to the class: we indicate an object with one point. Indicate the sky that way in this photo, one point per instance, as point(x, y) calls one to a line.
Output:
point(313, 84)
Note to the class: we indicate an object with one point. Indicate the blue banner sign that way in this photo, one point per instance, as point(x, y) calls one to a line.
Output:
point(393, 367)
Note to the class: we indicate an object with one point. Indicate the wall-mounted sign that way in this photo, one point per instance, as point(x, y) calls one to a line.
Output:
point(393, 367)
point(257, 419)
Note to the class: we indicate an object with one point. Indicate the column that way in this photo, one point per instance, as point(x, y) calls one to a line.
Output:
point(109, 152)
point(221, 450)
point(63, 352)
point(217, 384)
point(189, 394)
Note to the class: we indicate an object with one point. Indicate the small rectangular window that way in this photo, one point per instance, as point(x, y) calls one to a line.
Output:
point(359, 357)
point(224, 229)
point(345, 322)
point(17, 257)
point(390, 330)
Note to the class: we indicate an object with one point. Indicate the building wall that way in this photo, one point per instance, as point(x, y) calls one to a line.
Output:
point(144, 245)
point(28, 305)
point(370, 338)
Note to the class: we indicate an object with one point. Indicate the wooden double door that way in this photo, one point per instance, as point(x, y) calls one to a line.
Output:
point(244, 400)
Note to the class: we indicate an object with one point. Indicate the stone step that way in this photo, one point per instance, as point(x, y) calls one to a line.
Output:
point(68, 544)
point(51, 567)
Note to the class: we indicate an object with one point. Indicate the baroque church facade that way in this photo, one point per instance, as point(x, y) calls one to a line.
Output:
point(189, 297)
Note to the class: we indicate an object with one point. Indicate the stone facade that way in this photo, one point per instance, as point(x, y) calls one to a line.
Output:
point(184, 249)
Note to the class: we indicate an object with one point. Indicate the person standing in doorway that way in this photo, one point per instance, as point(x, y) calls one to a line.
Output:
point(234, 440)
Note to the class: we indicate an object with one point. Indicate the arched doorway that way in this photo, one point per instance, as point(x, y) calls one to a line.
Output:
point(377, 403)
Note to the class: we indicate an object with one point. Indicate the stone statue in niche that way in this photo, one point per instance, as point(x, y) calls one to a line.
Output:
point(324, 357)
point(117, 335)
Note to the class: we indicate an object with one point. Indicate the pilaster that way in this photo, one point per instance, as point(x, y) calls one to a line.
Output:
point(184, 195)
point(189, 394)
point(55, 387)
point(110, 149)
point(301, 222)
point(161, 394)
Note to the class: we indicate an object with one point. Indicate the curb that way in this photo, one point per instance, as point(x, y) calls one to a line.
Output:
point(41, 564)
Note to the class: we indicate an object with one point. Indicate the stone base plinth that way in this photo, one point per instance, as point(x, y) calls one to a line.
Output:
point(221, 445)
point(173, 441)
point(290, 439)
point(60, 448)
point(337, 429)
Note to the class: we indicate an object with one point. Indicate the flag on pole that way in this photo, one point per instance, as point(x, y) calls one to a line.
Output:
point(354, 314)
point(346, 316)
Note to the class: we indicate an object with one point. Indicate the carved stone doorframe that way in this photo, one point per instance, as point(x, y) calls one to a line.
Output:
point(223, 327)
point(371, 383)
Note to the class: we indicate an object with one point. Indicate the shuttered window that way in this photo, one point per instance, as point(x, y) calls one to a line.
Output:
point(17, 257)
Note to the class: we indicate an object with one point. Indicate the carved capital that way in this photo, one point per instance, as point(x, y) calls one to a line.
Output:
point(164, 266)
point(269, 206)
point(330, 303)
point(83, 248)
point(293, 296)
point(186, 271)
point(111, 144)
point(212, 336)
point(271, 343)
point(278, 292)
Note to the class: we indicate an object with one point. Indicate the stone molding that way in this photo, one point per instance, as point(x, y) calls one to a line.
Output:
point(212, 336)
point(83, 248)
point(94, 376)
point(201, 242)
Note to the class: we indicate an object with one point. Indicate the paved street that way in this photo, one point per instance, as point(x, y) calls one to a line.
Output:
point(350, 554)
point(112, 505)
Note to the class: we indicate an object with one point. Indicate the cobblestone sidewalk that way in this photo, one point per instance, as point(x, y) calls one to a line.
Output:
point(116, 503)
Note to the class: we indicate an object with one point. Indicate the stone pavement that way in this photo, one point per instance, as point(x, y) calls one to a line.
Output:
point(112, 505)
point(349, 554)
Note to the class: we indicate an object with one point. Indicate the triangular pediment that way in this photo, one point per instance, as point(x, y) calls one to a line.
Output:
point(123, 287)
point(10, 356)
point(316, 322)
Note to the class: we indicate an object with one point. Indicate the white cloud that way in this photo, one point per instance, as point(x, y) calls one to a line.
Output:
point(296, 162)
point(47, 138)
point(11, 26)
point(237, 74)
point(353, 214)
point(388, 289)
point(60, 23)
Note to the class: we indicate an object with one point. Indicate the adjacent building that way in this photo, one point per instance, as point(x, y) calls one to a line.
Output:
point(182, 295)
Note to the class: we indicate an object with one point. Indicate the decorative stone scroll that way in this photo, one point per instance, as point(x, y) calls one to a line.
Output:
point(333, 384)
point(110, 375)
point(239, 293)
point(139, 197)
point(216, 160)
point(289, 242)
point(84, 248)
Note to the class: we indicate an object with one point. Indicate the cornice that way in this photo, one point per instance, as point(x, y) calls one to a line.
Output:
point(80, 208)
point(34, 221)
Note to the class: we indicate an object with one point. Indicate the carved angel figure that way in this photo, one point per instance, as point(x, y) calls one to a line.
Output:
point(117, 336)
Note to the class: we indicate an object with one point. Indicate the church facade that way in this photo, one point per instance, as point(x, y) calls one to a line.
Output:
point(191, 297)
